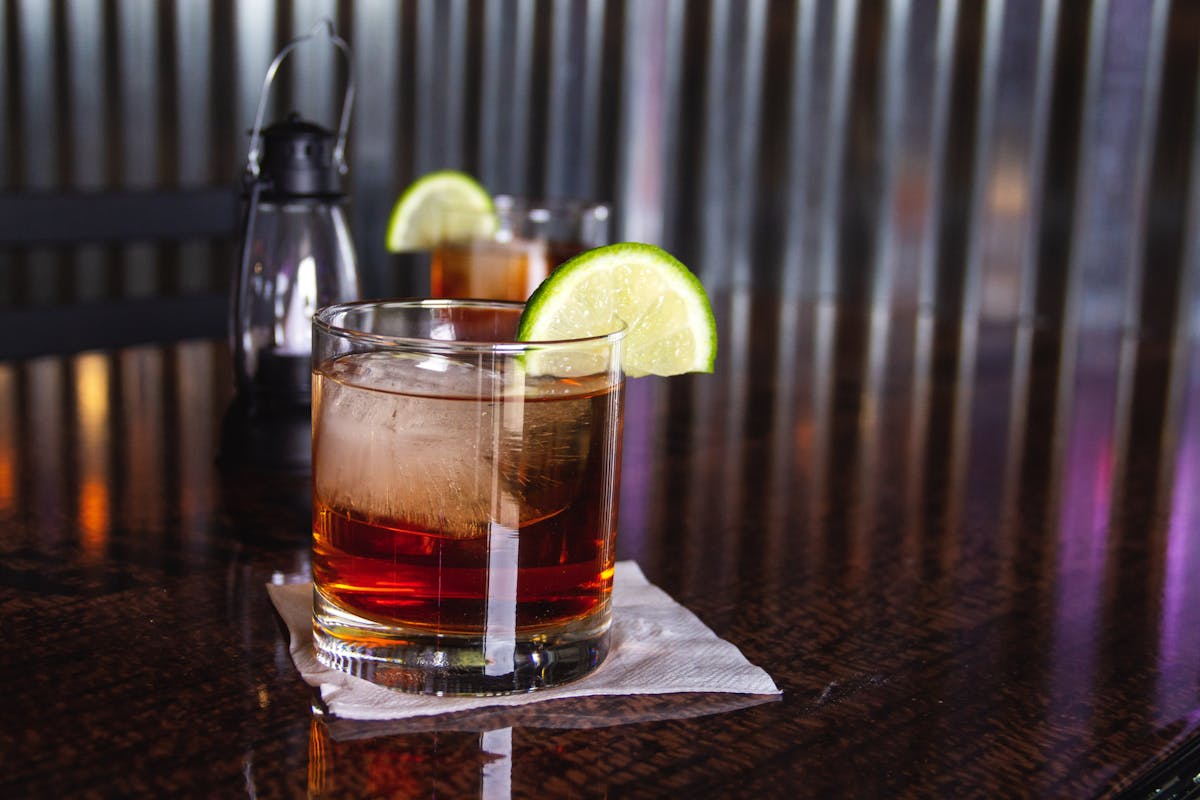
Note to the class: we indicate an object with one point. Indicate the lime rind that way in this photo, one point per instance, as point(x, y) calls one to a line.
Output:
point(670, 328)
point(438, 207)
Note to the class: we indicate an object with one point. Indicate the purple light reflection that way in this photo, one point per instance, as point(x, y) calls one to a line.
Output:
point(1084, 520)
point(1087, 500)
point(637, 461)
point(1179, 643)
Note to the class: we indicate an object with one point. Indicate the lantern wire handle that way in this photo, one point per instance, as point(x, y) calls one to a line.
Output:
point(253, 159)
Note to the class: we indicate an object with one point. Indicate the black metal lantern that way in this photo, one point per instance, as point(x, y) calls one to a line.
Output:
point(296, 251)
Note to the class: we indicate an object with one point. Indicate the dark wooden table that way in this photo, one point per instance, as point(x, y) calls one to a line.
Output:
point(969, 554)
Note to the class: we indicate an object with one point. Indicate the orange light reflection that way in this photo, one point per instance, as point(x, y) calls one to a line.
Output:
point(91, 400)
point(93, 516)
point(8, 444)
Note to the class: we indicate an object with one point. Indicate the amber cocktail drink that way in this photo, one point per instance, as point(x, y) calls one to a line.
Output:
point(530, 239)
point(464, 497)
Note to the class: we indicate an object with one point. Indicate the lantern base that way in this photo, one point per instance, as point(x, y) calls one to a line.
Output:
point(266, 436)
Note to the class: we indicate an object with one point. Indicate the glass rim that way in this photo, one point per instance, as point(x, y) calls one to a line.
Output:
point(323, 320)
point(529, 203)
point(540, 209)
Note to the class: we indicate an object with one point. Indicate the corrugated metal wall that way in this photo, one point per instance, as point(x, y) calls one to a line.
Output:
point(1002, 158)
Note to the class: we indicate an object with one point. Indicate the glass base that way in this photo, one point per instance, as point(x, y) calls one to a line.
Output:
point(423, 663)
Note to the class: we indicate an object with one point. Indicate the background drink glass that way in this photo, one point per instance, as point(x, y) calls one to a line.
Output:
point(532, 238)
point(464, 502)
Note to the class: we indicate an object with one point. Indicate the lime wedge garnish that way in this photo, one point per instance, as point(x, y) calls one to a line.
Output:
point(440, 207)
point(669, 321)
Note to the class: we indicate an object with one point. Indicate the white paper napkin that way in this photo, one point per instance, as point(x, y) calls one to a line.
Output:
point(658, 647)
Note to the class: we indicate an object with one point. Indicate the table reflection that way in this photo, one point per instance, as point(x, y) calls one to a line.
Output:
point(443, 763)
point(485, 752)
point(951, 536)
point(92, 452)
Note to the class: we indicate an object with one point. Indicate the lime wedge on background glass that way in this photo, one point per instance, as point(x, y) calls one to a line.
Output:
point(439, 207)
point(669, 321)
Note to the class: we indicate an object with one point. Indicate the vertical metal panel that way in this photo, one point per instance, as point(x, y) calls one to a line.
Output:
point(845, 22)
point(314, 68)
point(665, 128)
point(1161, 264)
point(441, 78)
point(816, 40)
point(38, 122)
point(1114, 165)
point(6, 144)
point(140, 124)
point(194, 108)
point(1143, 154)
point(567, 72)
point(87, 108)
point(800, 120)
point(506, 91)
point(193, 151)
point(718, 142)
point(87, 104)
point(905, 247)
point(193, 92)
point(254, 29)
point(519, 112)
point(38, 118)
point(943, 70)
point(1006, 123)
point(490, 101)
point(593, 76)
point(137, 36)
point(573, 116)
point(746, 100)
point(374, 130)
point(1042, 96)
point(645, 118)
point(1188, 325)
point(454, 80)
point(893, 91)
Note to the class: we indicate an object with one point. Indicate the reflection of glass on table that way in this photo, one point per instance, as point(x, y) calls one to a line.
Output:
point(457, 763)
point(464, 497)
point(531, 239)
